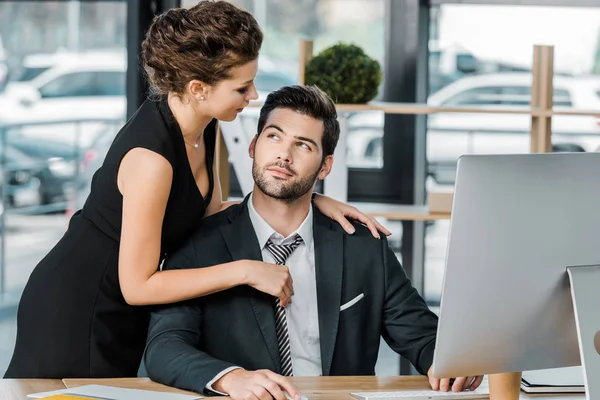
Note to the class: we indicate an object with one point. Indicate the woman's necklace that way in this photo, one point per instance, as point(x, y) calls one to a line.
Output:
point(195, 145)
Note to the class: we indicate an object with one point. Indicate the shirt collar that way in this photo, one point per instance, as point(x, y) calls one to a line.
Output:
point(264, 231)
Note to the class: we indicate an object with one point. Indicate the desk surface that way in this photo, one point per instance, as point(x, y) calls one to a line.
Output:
point(18, 389)
point(321, 388)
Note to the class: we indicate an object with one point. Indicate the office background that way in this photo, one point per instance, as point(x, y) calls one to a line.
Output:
point(69, 77)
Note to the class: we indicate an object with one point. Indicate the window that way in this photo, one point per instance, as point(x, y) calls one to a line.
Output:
point(562, 98)
point(36, 36)
point(485, 95)
point(29, 73)
point(504, 96)
point(500, 40)
point(516, 96)
point(75, 84)
point(521, 96)
point(78, 84)
point(466, 63)
point(109, 83)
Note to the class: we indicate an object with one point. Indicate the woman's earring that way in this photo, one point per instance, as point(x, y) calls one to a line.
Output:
point(201, 98)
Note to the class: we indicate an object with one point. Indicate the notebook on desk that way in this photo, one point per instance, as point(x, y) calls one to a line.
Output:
point(65, 397)
point(558, 380)
point(101, 392)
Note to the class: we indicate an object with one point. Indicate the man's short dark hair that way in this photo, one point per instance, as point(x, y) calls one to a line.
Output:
point(310, 101)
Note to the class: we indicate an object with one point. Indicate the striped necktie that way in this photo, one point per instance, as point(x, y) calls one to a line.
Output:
point(281, 252)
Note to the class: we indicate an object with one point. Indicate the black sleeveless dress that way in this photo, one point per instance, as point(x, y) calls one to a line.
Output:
point(73, 320)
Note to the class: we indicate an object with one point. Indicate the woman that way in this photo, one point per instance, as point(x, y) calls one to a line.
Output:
point(82, 312)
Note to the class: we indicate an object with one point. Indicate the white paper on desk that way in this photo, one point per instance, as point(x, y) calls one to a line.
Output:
point(570, 376)
point(114, 393)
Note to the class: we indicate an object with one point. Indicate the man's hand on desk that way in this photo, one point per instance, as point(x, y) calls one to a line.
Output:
point(240, 384)
point(460, 384)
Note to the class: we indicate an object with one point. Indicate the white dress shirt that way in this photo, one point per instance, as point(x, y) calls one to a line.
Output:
point(302, 313)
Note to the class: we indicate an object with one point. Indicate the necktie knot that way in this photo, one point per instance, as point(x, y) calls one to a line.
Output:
point(281, 252)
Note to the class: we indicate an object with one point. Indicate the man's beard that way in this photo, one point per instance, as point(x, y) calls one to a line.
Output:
point(284, 190)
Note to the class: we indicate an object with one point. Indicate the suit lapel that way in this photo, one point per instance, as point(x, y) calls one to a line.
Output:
point(329, 265)
point(240, 239)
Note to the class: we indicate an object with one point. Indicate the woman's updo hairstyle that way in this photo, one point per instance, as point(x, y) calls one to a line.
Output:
point(204, 42)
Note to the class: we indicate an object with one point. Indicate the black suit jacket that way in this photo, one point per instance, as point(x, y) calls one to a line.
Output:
point(191, 342)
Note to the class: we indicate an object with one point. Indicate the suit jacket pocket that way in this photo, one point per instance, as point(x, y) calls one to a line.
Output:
point(352, 307)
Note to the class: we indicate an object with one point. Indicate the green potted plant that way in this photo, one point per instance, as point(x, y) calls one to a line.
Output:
point(346, 73)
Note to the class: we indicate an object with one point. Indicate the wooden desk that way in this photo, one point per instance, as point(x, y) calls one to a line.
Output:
point(321, 388)
point(18, 389)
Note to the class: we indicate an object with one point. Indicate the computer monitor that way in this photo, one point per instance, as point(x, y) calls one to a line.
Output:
point(518, 222)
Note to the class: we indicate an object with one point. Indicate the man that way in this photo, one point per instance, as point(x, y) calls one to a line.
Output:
point(349, 289)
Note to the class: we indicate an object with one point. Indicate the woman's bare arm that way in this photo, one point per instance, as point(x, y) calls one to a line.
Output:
point(144, 180)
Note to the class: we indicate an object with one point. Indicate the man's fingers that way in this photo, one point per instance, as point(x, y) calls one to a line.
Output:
point(434, 382)
point(461, 383)
point(476, 382)
point(469, 382)
point(444, 385)
point(249, 395)
point(284, 383)
point(261, 392)
point(273, 388)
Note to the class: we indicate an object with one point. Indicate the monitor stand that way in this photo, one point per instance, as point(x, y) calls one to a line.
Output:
point(585, 285)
